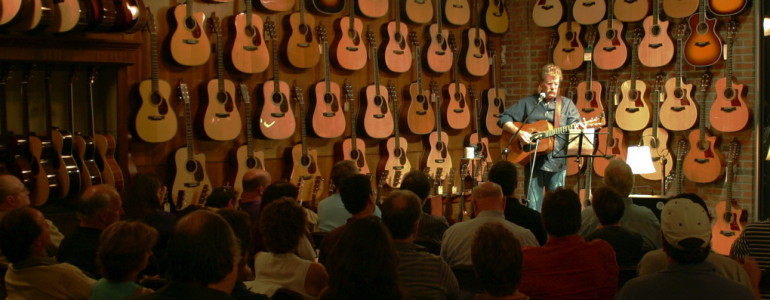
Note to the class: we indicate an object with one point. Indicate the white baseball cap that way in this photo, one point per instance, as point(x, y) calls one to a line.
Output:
point(684, 220)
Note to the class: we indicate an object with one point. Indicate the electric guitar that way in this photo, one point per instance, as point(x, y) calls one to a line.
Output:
point(589, 12)
point(378, 119)
point(457, 112)
point(611, 51)
point(189, 44)
point(542, 130)
point(190, 179)
point(589, 92)
point(729, 112)
point(704, 162)
point(396, 164)
point(633, 112)
point(457, 12)
point(631, 10)
point(476, 58)
point(396, 53)
point(276, 121)
point(328, 119)
point(221, 121)
point(247, 157)
point(348, 48)
point(678, 9)
point(305, 160)
point(438, 55)
point(547, 13)
point(611, 140)
point(704, 46)
point(496, 17)
point(354, 148)
point(730, 217)
point(679, 111)
point(568, 53)
point(302, 47)
point(418, 11)
point(494, 105)
point(438, 157)
point(374, 8)
point(420, 116)
point(656, 137)
point(248, 52)
point(656, 48)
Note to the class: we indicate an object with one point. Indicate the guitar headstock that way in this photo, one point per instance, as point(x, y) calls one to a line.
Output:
point(638, 34)
point(151, 26)
point(590, 38)
point(681, 31)
point(323, 36)
point(471, 93)
point(244, 90)
point(434, 90)
point(452, 42)
point(735, 152)
point(184, 93)
point(705, 81)
point(370, 38)
point(298, 94)
point(413, 39)
point(349, 91)
point(392, 91)
point(215, 24)
point(659, 79)
point(270, 34)
point(681, 149)
point(383, 178)
point(732, 28)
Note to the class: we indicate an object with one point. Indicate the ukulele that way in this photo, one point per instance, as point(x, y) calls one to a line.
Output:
point(547, 13)
point(633, 112)
point(631, 10)
point(396, 164)
point(420, 117)
point(479, 142)
point(568, 53)
point(520, 153)
point(45, 185)
point(374, 8)
point(476, 61)
point(611, 51)
point(418, 11)
point(190, 179)
point(156, 120)
point(656, 137)
point(679, 112)
point(704, 162)
point(348, 48)
point(105, 145)
point(276, 5)
point(727, 8)
point(354, 148)
point(247, 157)
point(611, 140)
point(678, 175)
point(704, 46)
point(494, 105)
point(304, 160)
point(301, 47)
point(328, 7)
point(574, 165)
point(276, 121)
point(438, 55)
point(85, 149)
point(249, 54)
point(328, 119)
point(456, 12)
point(67, 172)
point(729, 112)
point(730, 217)
point(221, 121)
point(378, 119)
point(656, 48)
point(496, 17)
point(438, 157)
point(589, 92)
point(189, 44)
point(396, 53)
point(678, 9)
point(457, 113)
point(589, 12)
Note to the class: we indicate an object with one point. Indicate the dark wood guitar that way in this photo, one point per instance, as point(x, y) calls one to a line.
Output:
point(85, 149)
point(678, 9)
point(276, 5)
point(221, 120)
point(704, 162)
point(189, 44)
point(191, 178)
point(438, 55)
point(568, 53)
point(656, 48)
point(302, 46)
point(589, 12)
point(247, 157)
point(494, 104)
point(704, 46)
point(348, 47)
point(496, 17)
point(396, 53)
point(633, 112)
point(730, 217)
point(727, 7)
point(130, 16)
point(328, 119)
point(249, 52)
point(729, 112)
point(41, 154)
point(456, 113)
point(631, 10)
point(656, 137)
point(547, 13)
point(542, 130)
point(457, 12)
point(395, 163)
point(276, 120)
point(589, 92)
point(611, 51)
point(420, 116)
point(476, 58)
point(105, 144)
point(418, 11)
point(438, 157)
point(480, 143)
point(354, 148)
point(377, 118)
point(374, 8)
point(328, 7)
point(304, 171)
point(67, 172)
point(679, 111)
point(611, 141)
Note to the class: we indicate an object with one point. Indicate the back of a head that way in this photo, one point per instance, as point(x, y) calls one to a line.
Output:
point(401, 213)
point(341, 171)
point(561, 212)
point(618, 176)
point(686, 230)
point(254, 179)
point(142, 196)
point(488, 196)
point(417, 182)
point(281, 223)
point(9, 185)
point(123, 248)
point(497, 259)
point(240, 222)
point(18, 231)
point(354, 192)
point(278, 190)
point(504, 174)
point(221, 197)
point(608, 205)
point(202, 249)
point(91, 205)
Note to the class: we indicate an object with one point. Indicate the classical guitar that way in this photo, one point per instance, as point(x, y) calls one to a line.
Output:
point(156, 120)
point(679, 112)
point(656, 137)
point(247, 157)
point(377, 118)
point(704, 162)
point(41, 154)
point(589, 12)
point(611, 51)
point(420, 116)
point(456, 12)
point(479, 142)
point(275, 5)
point(396, 164)
point(678, 175)
point(457, 112)
point(189, 44)
point(730, 217)
point(633, 112)
point(631, 10)
point(130, 16)
point(348, 47)
point(547, 13)
point(494, 103)
point(496, 17)
point(276, 120)
point(678, 9)
point(105, 144)
point(67, 172)
point(656, 48)
point(589, 92)
point(221, 120)
point(304, 160)
point(85, 150)
point(190, 179)
point(573, 165)
point(438, 54)
point(727, 7)
point(328, 7)
point(704, 46)
point(328, 119)
point(302, 47)
point(438, 157)
point(354, 148)
point(249, 53)
point(568, 53)
point(542, 130)
point(729, 112)
point(611, 141)
point(65, 16)
point(396, 53)
point(418, 11)
point(476, 58)
point(374, 8)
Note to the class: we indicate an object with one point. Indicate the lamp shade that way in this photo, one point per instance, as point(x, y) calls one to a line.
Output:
point(640, 160)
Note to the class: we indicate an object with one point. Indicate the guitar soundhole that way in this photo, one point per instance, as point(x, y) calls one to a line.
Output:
point(198, 171)
point(191, 25)
point(305, 30)
point(397, 152)
point(353, 35)
point(654, 142)
point(251, 162)
point(378, 100)
point(729, 93)
point(589, 96)
point(679, 93)
point(256, 36)
point(249, 30)
point(633, 95)
point(399, 40)
point(383, 108)
point(306, 161)
point(569, 36)
point(702, 28)
point(331, 99)
point(421, 99)
point(703, 145)
point(655, 30)
point(277, 98)
point(441, 148)
point(359, 159)
point(190, 166)
point(460, 99)
point(610, 34)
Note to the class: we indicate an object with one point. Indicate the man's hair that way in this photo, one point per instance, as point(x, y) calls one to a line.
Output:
point(354, 192)
point(497, 259)
point(550, 69)
point(417, 182)
point(278, 190)
point(90, 207)
point(618, 175)
point(221, 197)
point(122, 247)
point(240, 222)
point(608, 205)
point(504, 174)
point(686, 257)
point(342, 170)
point(18, 231)
point(254, 182)
point(561, 212)
point(6, 189)
point(202, 249)
point(281, 224)
point(401, 212)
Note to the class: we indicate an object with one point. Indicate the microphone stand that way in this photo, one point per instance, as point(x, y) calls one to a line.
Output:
point(504, 154)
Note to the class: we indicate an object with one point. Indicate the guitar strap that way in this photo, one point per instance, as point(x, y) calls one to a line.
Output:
point(557, 113)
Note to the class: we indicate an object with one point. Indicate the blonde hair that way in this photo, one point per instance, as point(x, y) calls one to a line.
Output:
point(550, 69)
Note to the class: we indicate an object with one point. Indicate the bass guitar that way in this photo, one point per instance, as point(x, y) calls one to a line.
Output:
point(438, 55)
point(656, 137)
point(85, 150)
point(542, 130)
point(302, 47)
point(611, 141)
point(304, 172)
point(396, 164)
point(221, 121)
point(348, 48)
point(495, 100)
point(374, 8)
point(328, 119)
point(354, 148)
point(704, 46)
point(105, 145)
point(730, 217)
point(418, 11)
point(66, 167)
point(248, 52)
point(496, 17)
point(568, 53)
point(679, 111)
point(656, 48)
point(589, 12)
point(191, 178)
point(189, 44)
point(247, 157)
point(378, 119)
point(396, 53)
point(589, 92)
point(420, 117)
point(276, 121)
point(631, 10)
point(678, 9)
point(727, 8)
point(457, 113)
point(704, 162)
point(457, 12)
point(476, 61)
point(438, 157)
point(729, 112)
point(611, 51)
point(547, 13)
point(633, 112)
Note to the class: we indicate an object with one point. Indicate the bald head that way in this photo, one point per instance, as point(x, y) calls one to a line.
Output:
point(489, 196)
point(100, 206)
point(13, 193)
point(618, 176)
point(256, 180)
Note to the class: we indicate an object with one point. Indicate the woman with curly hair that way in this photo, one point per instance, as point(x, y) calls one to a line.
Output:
point(124, 251)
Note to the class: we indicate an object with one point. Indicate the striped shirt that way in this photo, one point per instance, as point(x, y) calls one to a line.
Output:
point(755, 242)
point(424, 275)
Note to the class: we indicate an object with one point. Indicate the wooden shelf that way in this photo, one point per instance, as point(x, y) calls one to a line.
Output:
point(120, 49)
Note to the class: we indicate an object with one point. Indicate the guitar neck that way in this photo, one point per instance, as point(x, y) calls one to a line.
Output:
point(220, 57)
point(555, 131)
point(248, 13)
point(327, 68)
point(188, 129)
point(376, 67)
point(247, 107)
point(154, 61)
point(91, 102)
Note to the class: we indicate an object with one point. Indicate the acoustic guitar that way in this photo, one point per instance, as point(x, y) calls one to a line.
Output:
point(420, 116)
point(679, 112)
point(678, 9)
point(438, 55)
point(304, 172)
point(354, 148)
point(302, 47)
point(85, 149)
point(190, 178)
point(189, 44)
point(221, 120)
point(656, 48)
point(729, 112)
point(11, 9)
point(727, 7)
point(374, 8)
point(631, 10)
point(248, 52)
point(730, 217)
point(704, 162)
point(494, 103)
point(496, 17)
point(547, 13)
point(247, 157)
point(457, 12)
point(130, 16)
point(276, 120)
point(101, 15)
point(396, 53)
point(395, 164)
point(633, 112)
point(418, 11)
point(275, 5)
point(328, 7)
point(105, 145)
point(65, 16)
point(480, 143)
point(656, 137)
point(457, 112)
point(437, 157)
point(29, 15)
point(568, 53)
point(377, 118)
point(611, 141)
point(348, 47)
point(45, 185)
point(611, 51)
point(328, 119)
point(156, 120)
point(520, 153)
point(589, 92)
point(678, 175)
point(704, 46)
point(64, 163)
point(476, 58)
point(589, 12)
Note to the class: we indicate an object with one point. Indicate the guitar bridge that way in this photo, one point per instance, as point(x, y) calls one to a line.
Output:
point(728, 109)
point(609, 49)
point(329, 114)
point(588, 110)
point(250, 48)
point(191, 184)
point(567, 50)
point(379, 116)
point(440, 52)
point(498, 115)
point(222, 115)
point(421, 112)
point(439, 161)
point(303, 45)
point(702, 160)
point(632, 109)
point(277, 115)
point(655, 46)
point(677, 108)
point(458, 110)
point(547, 7)
point(478, 55)
point(727, 233)
point(156, 118)
point(351, 49)
point(589, 4)
point(702, 44)
point(398, 168)
point(190, 41)
point(398, 52)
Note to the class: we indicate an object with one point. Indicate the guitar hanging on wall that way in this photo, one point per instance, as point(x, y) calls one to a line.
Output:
point(704, 46)
point(61, 139)
point(420, 117)
point(248, 53)
point(568, 53)
point(730, 218)
point(611, 140)
point(374, 8)
point(438, 55)
point(354, 148)
point(729, 112)
point(396, 164)
point(547, 13)
point(348, 47)
point(457, 12)
point(221, 120)
point(276, 120)
point(611, 51)
point(304, 172)
point(457, 112)
point(438, 157)
point(105, 145)
point(189, 44)
point(631, 10)
point(396, 53)
point(476, 58)
point(328, 119)
point(190, 179)
point(656, 137)
point(589, 12)
point(496, 17)
point(656, 48)
point(633, 112)
point(679, 111)
point(378, 119)
point(246, 156)
point(301, 46)
point(494, 105)
point(704, 162)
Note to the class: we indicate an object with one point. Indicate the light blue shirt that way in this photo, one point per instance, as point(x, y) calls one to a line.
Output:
point(635, 218)
point(332, 213)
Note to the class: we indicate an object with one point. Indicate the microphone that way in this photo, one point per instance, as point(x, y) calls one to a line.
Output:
point(540, 97)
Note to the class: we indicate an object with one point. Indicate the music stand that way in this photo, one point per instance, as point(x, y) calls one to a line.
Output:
point(581, 135)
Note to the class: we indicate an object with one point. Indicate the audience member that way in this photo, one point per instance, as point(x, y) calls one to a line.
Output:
point(240, 223)
point(282, 224)
point(221, 197)
point(432, 228)
point(504, 174)
point(331, 210)
point(13, 194)
point(636, 218)
point(124, 251)
point(33, 274)
point(423, 275)
point(568, 267)
point(753, 246)
point(363, 265)
point(490, 203)
point(201, 259)
point(144, 202)
point(357, 198)
point(276, 191)
point(100, 206)
point(686, 229)
point(254, 184)
point(496, 255)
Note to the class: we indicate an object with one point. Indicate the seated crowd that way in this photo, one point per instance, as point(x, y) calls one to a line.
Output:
point(261, 243)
